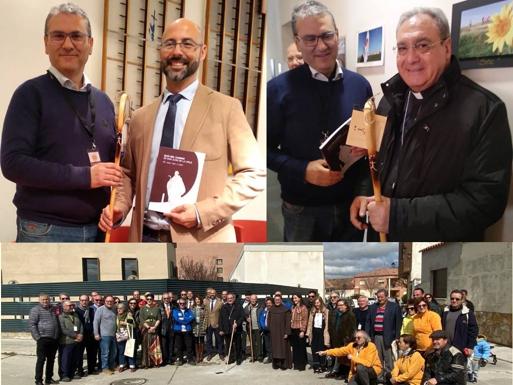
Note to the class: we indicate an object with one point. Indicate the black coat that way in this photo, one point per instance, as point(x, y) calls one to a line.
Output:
point(341, 332)
point(166, 325)
point(448, 367)
point(450, 179)
point(230, 313)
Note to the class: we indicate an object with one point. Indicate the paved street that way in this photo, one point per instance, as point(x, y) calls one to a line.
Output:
point(18, 369)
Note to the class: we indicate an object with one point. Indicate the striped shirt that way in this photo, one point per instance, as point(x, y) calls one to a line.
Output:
point(379, 320)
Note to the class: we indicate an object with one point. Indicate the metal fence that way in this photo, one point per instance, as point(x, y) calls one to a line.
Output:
point(18, 299)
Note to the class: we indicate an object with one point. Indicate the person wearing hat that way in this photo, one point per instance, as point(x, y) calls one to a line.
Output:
point(445, 364)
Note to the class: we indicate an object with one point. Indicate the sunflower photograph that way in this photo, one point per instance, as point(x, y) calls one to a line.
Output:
point(486, 31)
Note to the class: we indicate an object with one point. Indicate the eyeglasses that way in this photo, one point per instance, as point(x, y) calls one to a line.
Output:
point(311, 296)
point(358, 337)
point(59, 37)
point(311, 40)
point(421, 47)
point(422, 305)
point(334, 296)
point(181, 303)
point(132, 303)
point(455, 299)
point(411, 308)
point(64, 298)
point(185, 45)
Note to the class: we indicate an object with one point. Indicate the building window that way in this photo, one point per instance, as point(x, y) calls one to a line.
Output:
point(220, 279)
point(90, 269)
point(219, 270)
point(362, 283)
point(129, 268)
point(219, 261)
point(439, 283)
point(381, 282)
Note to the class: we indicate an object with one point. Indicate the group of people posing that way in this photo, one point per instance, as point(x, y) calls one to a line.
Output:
point(371, 343)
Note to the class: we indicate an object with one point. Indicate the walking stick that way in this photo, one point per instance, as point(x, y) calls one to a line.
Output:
point(251, 336)
point(231, 342)
point(369, 111)
point(227, 359)
point(122, 119)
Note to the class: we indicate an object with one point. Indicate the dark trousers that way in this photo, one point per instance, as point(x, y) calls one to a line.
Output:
point(317, 345)
point(236, 351)
point(90, 346)
point(69, 358)
point(267, 348)
point(219, 346)
point(183, 344)
point(363, 376)
point(256, 341)
point(299, 358)
point(45, 351)
point(168, 347)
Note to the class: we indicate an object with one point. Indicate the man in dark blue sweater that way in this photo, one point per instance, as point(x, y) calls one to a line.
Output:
point(304, 106)
point(58, 140)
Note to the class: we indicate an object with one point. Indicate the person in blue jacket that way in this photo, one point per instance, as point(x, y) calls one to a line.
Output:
point(183, 319)
point(481, 352)
point(264, 330)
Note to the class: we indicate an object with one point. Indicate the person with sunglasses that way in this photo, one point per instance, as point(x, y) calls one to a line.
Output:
point(460, 324)
point(58, 140)
point(425, 322)
point(149, 323)
point(183, 319)
point(133, 309)
point(365, 362)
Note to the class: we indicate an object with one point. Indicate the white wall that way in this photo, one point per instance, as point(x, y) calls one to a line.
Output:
point(23, 58)
point(352, 16)
point(282, 264)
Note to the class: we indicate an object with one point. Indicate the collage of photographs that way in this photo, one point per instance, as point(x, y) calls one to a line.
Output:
point(243, 191)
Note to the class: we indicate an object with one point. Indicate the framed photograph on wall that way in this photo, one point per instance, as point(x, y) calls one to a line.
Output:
point(482, 33)
point(371, 44)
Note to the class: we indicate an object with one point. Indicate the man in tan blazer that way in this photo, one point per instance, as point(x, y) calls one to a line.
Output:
point(213, 305)
point(206, 121)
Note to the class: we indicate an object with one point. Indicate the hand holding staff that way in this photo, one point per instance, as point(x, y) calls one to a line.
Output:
point(122, 119)
point(369, 111)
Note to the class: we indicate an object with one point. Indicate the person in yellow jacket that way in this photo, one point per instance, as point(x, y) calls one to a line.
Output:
point(365, 362)
point(409, 367)
point(425, 322)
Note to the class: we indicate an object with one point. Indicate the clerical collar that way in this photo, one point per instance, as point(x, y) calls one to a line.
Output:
point(323, 78)
point(68, 83)
point(418, 95)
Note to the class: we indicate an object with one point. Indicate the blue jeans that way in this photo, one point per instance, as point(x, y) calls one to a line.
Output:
point(122, 358)
point(31, 231)
point(318, 223)
point(108, 351)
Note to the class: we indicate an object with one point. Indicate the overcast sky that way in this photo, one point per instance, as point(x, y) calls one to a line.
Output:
point(343, 260)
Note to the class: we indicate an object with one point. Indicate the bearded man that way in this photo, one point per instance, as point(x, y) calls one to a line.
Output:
point(188, 116)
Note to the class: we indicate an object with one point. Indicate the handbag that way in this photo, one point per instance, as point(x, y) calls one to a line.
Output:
point(130, 343)
point(122, 335)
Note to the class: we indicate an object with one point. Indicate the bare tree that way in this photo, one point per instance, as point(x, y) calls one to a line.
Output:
point(372, 285)
point(204, 270)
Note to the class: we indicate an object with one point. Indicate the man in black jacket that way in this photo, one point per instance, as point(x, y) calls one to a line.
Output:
point(231, 318)
point(86, 315)
point(445, 364)
point(166, 329)
point(445, 158)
